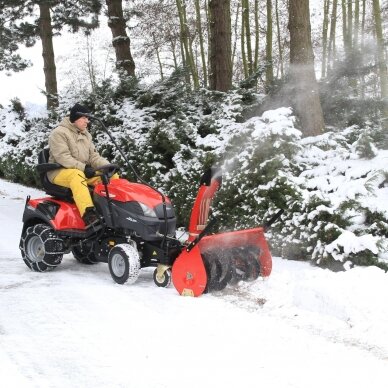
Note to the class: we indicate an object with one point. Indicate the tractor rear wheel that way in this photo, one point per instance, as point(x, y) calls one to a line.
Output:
point(124, 263)
point(41, 248)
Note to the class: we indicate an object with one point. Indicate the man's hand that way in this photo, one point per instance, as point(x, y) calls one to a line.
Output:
point(89, 171)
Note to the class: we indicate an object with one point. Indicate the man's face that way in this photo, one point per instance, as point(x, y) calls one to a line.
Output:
point(82, 123)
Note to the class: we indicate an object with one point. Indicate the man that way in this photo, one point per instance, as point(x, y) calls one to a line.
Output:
point(71, 146)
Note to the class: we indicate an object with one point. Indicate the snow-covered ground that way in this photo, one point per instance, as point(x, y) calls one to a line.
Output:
point(74, 327)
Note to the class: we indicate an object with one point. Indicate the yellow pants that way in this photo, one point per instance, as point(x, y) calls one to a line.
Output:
point(76, 181)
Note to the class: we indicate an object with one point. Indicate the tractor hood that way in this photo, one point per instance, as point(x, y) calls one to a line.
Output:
point(122, 190)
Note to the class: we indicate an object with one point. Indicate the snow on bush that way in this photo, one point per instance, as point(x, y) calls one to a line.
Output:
point(333, 187)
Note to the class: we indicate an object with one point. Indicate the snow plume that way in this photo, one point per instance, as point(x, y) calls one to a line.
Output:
point(253, 157)
point(335, 201)
point(289, 93)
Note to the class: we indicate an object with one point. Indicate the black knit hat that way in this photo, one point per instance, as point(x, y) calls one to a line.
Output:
point(76, 112)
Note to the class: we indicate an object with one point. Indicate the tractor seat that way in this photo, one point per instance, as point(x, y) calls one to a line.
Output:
point(43, 167)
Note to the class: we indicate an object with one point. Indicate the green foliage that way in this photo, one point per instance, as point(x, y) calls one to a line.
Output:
point(9, 60)
point(171, 134)
point(364, 146)
point(19, 24)
point(15, 169)
point(18, 108)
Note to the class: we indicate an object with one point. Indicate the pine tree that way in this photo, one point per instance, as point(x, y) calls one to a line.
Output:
point(29, 20)
point(220, 45)
point(268, 48)
point(187, 42)
point(9, 60)
point(121, 41)
point(201, 41)
point(302, 76)
point(325, 28)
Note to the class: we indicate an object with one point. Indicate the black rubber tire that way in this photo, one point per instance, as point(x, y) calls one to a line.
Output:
point(166, 278)
point(41, 248)
point(124, 263)
point(84, 254)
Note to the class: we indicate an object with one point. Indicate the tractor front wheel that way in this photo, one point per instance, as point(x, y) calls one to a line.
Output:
point(124, 263)
point(163, 280)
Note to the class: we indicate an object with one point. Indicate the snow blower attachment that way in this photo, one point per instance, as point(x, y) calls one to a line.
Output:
point(211, 262)
point(138, 226)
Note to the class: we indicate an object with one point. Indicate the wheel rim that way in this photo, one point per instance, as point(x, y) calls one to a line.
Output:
point(35, 249)
point(118, 265)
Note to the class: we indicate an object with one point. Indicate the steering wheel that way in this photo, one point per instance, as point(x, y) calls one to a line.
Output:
point(108, 169)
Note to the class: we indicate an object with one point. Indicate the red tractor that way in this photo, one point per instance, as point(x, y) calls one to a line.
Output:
point(138, 230)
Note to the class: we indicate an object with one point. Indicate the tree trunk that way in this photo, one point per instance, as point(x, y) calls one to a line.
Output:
point(201, 44)
point(235, 34)
point(173, 48)
point(350, 24)
point(247, 31)
point(279, 39)
point(356, 24)
point(243, 52)
point(344, 28)
point(50, 72)
point(333, 24)
point(257, 35)
point(181, 6)
point(302, 76)
point(363, 44)
point(382, 64)
point(363, 17)
point(184, 62)
point(121, 41)
point(90, 64)
point(220, 45)
point(326, 8)
point(268, 50)
point(156, 46)
point(208, 36)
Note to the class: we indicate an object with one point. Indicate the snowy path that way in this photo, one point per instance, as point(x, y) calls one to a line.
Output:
point(74, 327)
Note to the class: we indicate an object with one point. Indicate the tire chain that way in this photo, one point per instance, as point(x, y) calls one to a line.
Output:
point(53, 245)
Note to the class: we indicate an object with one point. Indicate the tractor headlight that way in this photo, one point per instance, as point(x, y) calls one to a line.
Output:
point(149, 212)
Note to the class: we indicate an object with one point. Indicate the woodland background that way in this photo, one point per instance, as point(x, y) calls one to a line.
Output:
point(184, 85)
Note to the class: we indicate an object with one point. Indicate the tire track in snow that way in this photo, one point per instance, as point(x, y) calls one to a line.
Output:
point(240, 297)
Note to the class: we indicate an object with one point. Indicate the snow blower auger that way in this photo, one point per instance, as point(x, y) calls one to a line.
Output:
point(137, 229)
point(211, 262)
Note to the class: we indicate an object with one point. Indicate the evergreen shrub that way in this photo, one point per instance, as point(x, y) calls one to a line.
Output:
point(171, 134)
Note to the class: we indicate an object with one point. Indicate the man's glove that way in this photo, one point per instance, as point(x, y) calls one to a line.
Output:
point(89, 171)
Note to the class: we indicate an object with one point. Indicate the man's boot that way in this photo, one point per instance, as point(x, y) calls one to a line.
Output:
point(92, 219)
